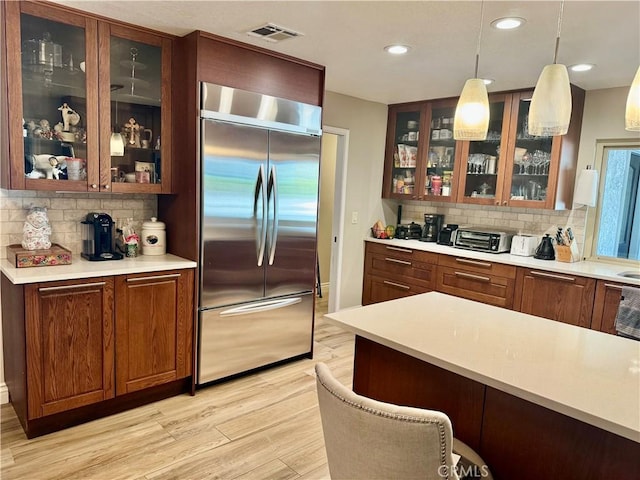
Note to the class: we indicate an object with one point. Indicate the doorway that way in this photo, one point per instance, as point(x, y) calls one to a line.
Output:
point(333, 169)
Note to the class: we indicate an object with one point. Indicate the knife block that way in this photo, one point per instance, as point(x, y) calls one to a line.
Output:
point(567, 253)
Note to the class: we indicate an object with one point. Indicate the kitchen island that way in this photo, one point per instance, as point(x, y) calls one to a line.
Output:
point(536, 398)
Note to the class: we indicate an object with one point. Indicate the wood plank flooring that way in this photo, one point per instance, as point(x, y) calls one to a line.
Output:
point(264, 426)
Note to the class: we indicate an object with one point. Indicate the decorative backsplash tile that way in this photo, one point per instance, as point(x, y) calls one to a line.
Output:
point(530, 221)
point(66, 211)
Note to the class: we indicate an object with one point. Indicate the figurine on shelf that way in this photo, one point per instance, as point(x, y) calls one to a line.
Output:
point(132, 133)
point(69, 117)
point(37, 229)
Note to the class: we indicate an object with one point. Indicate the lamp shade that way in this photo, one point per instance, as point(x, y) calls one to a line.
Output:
point(632, 113)
point(471, 120)
point(116, 145)
point(586, 192)
point(550, 109)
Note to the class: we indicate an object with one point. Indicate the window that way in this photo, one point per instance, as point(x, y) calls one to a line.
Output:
point(616, 223)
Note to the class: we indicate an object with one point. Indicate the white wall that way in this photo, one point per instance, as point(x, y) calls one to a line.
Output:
point(367, 125)
point(603, 120)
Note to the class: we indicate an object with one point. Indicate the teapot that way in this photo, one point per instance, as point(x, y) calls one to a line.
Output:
point(545, 250)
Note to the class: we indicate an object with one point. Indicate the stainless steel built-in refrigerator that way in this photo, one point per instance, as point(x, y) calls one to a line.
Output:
point(259, 173)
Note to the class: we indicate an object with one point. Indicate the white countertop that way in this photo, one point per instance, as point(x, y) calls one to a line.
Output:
point(81, 268)
point(599, 270)
point(588, 375)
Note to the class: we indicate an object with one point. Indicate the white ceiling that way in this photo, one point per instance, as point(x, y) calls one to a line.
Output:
point(348, 38)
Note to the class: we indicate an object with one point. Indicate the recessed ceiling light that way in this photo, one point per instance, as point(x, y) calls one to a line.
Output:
point(397, 49)
point(487, 81)
point(507, 23)
point(581, 67)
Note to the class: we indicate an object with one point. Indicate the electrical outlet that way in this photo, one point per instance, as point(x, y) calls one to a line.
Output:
point(354, 218)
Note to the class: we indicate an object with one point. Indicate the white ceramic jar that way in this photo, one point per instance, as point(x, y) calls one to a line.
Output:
point(154, 240)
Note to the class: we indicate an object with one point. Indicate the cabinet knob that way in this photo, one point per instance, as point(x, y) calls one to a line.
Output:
point(106, 187)
point(498, 202)
point(505, 203)
point(94, 186)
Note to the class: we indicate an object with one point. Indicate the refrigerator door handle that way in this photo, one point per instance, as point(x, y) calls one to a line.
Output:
point(260, 307)
point(273, 193)
point(261, 236)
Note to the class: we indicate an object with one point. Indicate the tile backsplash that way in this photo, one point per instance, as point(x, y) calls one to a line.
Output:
point(530, 221)
point(66, 211)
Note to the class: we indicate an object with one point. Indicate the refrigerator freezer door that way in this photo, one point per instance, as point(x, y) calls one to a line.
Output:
point(292, 208)
point(243, 337)
point(234, 162)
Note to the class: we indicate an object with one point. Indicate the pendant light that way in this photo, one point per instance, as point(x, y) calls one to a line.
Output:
point(471, 121)
point(632, 113)
point(550, 109)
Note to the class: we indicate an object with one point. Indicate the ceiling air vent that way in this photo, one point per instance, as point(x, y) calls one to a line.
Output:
point(273, 33)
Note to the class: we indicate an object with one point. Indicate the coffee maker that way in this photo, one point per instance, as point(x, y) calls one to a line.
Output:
point(97, 238)
point(432, 226)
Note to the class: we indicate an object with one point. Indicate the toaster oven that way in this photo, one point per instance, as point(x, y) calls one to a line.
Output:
point(483, 240)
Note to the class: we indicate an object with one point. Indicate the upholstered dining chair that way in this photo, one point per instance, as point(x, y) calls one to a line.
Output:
point(368, 439)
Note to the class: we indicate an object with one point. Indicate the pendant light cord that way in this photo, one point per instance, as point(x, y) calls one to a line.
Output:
point(480, 38)
point(555, 54)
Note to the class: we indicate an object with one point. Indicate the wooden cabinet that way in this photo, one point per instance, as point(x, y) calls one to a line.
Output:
point(478, 280)
point(81, 349)
point(509, 168)
point(562, 297)
point(605, 306)
point(72, 81)
point(153, 334)
point(69, 345)
point(393, 272)
point(484, 163)
point(419, 148)
point(513, 168)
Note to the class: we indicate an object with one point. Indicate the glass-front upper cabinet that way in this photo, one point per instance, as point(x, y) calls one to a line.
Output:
point(136, 98)
point(51, 74)
point(441, 152)
point(404, 167)
point(530, 162)
point(484, 165)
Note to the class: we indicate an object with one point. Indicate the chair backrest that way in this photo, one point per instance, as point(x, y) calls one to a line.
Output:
point(368, 439)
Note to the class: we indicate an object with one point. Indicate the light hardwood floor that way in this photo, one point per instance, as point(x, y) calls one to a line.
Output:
point(264, 426)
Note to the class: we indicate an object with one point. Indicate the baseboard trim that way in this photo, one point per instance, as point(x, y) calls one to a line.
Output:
point(4, 394)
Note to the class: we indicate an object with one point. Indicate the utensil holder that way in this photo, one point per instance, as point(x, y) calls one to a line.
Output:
point(567, 253)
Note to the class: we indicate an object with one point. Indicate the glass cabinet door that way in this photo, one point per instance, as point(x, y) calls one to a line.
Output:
point(135, 112)
point(530, 160)
point(484, 165)
point(406, 137)
point(441, 153)
point(59, 127)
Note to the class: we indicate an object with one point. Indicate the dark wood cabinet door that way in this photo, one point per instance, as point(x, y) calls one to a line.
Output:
point(562, 297)
point(605, 306)
point(392, 272)
point(379, 289)
point(153, 329)
point(69, 330)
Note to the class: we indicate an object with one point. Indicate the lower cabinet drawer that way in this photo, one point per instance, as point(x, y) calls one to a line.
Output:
point(481, 287)
point(380, 289)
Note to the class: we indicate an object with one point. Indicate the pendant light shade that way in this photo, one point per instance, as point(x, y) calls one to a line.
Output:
point(471, 120)
point(550, 109)
point(632, 113)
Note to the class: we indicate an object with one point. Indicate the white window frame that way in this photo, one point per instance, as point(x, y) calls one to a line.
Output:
point(593, 214)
